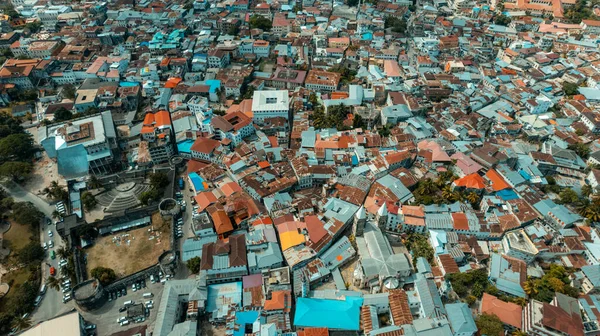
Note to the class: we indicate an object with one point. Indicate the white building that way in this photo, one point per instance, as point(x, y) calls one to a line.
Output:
point(517, 244)
point(49, 16)
point(270, 104)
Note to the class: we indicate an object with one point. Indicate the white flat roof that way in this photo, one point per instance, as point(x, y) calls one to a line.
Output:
point(275, 100)
point(67, 325)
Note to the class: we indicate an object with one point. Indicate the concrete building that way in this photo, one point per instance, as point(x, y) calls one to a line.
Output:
point(270, 104)
point(517, 244)
point(81, 146)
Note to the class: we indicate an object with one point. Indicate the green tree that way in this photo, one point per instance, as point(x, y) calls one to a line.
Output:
point(260, 22)
point(568, 196)
point(489, 325)
point(397, 24)
point(581, 149)
point(570, 89)
point(15, 170)
point(53, 283)
point(31, 253)
point(148, 196)
point(63, 253)
point(21, 323)
point(233, 30)
point(194, 265)
point(26, 213)
point(87, 232)
point(103, 274)
point(502, 20)
point(34, 26)
point(88, 200)
point(159, 180)
point(62, 114)
point(69, 91)
point(17, 147)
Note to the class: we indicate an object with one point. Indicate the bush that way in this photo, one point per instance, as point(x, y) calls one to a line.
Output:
point(27, 214)
point(104, 275)
point(194, 265)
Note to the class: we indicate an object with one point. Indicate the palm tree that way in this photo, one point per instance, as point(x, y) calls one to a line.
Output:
point(530, 287)
point(586, 190)
point(63, 253)
point(472, 197)
point(518, 333)
point(21, 323)
point(53, 283)
point(55, 214)
point(427, 186)
point(520, 301)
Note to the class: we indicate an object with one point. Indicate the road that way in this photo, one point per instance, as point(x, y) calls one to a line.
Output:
point(183, 272)
point(51, 304)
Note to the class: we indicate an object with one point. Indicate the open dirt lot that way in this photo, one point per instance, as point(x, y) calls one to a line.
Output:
point(130, 251)
point(17, 237)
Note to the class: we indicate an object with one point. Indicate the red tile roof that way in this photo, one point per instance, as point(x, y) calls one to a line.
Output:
point(509, 313)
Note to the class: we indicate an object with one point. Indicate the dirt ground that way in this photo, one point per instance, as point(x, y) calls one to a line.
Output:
point(44, 171)
point(17, 237)
point(130, 251)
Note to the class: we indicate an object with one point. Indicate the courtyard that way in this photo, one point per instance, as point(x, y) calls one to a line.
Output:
point(127, 252)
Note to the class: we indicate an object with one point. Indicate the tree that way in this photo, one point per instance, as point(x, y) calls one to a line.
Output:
point(530, 287)
point(62, 114)
point(94, 183)
point(148, 196)
point(159, 180)
point(31, 253)
point(570, 89)
point(53, 283)
point(502, 20)
point(68, 92)
point(358, 121)
point(581, 149)
point(63, 253)
point(260, 22)
point(568, 196)
point(104, 275)
point(397, 24)
point(56, 192)
point(17, 147)
point(34, 26)
point(586, 190)
point(194, 265)
point(15, 170)
point(88, 200)
point(21, 323)
point(26, 213)
point(9, 9)
point(233, 30)
point(489, 325)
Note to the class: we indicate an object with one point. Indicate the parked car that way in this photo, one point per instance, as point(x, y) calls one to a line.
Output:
point(50, 234)
point(51, 244)
point(122, 309)
point(45, 246)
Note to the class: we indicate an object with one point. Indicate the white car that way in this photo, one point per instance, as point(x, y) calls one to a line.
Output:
point(134, 287)
point(50, 234)
point(45, 246)
point(51, 244)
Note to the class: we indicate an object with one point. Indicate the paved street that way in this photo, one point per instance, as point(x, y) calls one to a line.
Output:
point(51, 304)
point(187, 226)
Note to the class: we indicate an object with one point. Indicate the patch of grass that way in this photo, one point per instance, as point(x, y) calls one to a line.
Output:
point(17, 237)
point(15, 279)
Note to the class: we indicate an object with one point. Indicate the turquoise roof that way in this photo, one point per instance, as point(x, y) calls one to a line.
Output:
point(319, 312)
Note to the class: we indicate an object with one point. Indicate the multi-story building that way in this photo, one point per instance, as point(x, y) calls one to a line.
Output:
point(225, 260)
point(517, 244)
point(81, 146)
point(157, 133)
point(270, 104)
point(322, 81)
point(36, 49)
point(234, 126)
point(19, 72)
point(49, 16)
point(218, 58)
point(205, 149)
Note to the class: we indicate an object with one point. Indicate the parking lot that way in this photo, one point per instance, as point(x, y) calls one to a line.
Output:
point(106, 317)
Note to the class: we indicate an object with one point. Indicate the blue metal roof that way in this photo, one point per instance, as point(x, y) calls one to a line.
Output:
point(185, 146)
point(319, 312)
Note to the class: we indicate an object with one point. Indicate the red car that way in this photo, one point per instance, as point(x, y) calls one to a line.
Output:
point(52, 271)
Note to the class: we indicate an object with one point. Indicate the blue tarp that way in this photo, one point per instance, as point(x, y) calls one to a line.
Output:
point(354, 160)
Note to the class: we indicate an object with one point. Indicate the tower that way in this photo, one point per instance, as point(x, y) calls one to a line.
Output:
point(382, 217)
point(360, 218)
